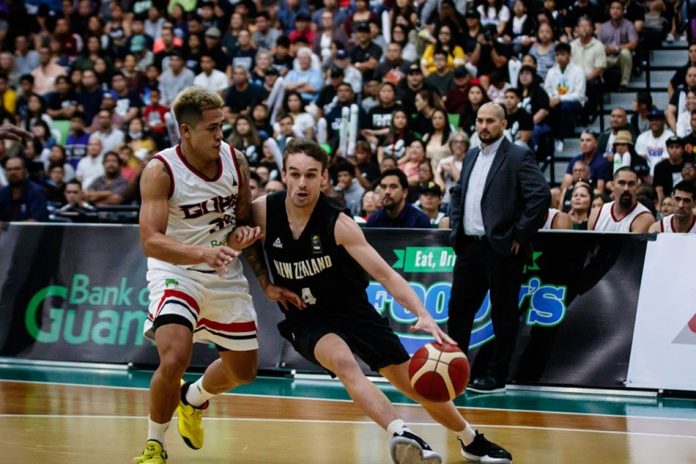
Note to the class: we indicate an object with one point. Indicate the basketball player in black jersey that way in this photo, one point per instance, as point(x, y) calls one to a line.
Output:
point(317, 251)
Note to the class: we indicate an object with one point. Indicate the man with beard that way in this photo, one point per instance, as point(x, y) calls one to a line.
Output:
point(109, 188)
point(625, 214)
point(668, 172)
point(406, 91)
point(682, 221)
point(492, 238)
point(395, 212)
point(21, 199)
point(393, 67)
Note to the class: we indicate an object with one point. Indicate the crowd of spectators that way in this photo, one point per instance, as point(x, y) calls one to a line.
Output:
point(93, 81)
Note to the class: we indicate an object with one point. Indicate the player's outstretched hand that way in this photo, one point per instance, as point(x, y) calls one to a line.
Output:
point(244, 236)
point(283, 296)
point(219, 258)
point(12, 132)
point(426, 323)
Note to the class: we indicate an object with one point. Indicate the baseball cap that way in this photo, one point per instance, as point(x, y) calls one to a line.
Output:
point(336, 72)
point(341, 54)
point(414, 68)
point(272, 71)
point(472, 13)
point(213, 32)
point(460, 71)
point(362, 26)
point(430, 187)
point(674, 140)
point(656, 114)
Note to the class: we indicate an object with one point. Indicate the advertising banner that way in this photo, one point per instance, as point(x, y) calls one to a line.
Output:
point(79, 293)
point(664, 340)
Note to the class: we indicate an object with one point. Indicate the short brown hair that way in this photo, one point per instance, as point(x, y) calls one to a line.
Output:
point(192, 101)
point(307, 147)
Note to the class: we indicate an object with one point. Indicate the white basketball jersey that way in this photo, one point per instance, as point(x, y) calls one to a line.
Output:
point(550, 216)
point(201, 210)
point(606, 222)
point(667, 225)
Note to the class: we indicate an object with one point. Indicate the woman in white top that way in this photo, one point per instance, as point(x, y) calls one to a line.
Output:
point(684, 117)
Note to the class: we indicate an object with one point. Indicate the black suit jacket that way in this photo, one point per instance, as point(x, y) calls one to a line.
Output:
point(515, 200)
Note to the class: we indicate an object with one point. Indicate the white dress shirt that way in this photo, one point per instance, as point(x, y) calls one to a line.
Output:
point(473, 218)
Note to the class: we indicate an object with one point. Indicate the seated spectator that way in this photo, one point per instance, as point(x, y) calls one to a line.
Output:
point(467, 119)
point(368, 205)
point(410, 162)
point(379, 117)
point(303, 29)
point(138, 138)
point(682, 220)
point(211, 78)
point(398, 138)
point(441, 78)
point(625, 214)
point(565, 84)
point(429, 201)
point(395, 211)
point(684, 118)
point(651, 144)
point(75, 207)
point(456, 98)
point(437, 140)
point(361, 15)
point(242, 95)
point(495, 14)
point(347, 183)
point(452, 53)
point(642, 106)
point(35, 112)
point(46, 73)
point(598, 172)
point(366, 167)
point(54, 185)
point(400, 34)
point(265, 34)
point(393, 67)
point(426, 101)
point(90, 167)
point(620, 39)
point(520, 124)
point(244, 56)
point(303, 121)
point(245, 139)
point(447, 172)
point(580, 205)
point(154, 116)
point(365, 54)
point(341, 60)
point(130, 165)
point(109, 188)
point(175, 79)
point(110, 137)
point(304, 79)
point(618, 121)
point(520, 30)
point(327, 36)
point(499, 84)
point(62, 103)
point(624, 155)
point(57, 155)
point(128, 102)
point(668, 172)
point(21, 199)
point(543, 50)
point(578, 10)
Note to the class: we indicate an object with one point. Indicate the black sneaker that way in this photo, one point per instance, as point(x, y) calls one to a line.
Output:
point(409, 448)
point(482, 450)
point(486, 385)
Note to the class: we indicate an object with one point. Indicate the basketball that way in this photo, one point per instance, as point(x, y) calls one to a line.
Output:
point(439, 372)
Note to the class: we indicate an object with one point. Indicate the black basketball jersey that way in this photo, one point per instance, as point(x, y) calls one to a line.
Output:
point(322, 273)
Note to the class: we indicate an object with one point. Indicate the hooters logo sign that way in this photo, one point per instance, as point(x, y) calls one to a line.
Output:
point(687, 335)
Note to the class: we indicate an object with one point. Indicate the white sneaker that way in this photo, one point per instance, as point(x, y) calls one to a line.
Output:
point(558, 146)
point(669, 38)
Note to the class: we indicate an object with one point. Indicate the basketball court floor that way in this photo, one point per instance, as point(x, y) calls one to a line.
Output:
point(98, 415)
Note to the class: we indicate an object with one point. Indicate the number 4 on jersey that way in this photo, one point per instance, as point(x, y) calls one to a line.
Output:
point(307, 296)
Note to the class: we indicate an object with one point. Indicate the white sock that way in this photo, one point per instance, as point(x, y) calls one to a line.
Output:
point(397, 427)
point(156, 431)
point(196, 394)
point(467, 435)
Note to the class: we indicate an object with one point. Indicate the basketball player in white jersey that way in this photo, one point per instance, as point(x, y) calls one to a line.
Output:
point(625, 213)
point(195, 207)
point(682, 221)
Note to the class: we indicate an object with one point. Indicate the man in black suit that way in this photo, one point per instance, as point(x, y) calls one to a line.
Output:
point(498, 205)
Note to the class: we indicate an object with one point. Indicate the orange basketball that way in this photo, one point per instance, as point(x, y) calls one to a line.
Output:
point(439, 372)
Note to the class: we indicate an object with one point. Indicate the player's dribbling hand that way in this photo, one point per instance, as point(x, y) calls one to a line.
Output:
point(426, 323)
point(283, 296)
point(219, 258)
point(243, 237)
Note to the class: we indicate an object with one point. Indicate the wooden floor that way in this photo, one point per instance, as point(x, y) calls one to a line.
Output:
point(51, 423)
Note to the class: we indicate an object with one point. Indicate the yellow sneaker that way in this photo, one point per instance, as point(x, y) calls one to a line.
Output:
point(191, 423)
point(152, 454)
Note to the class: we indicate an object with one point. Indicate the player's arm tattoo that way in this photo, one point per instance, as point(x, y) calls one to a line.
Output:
point(254, 256)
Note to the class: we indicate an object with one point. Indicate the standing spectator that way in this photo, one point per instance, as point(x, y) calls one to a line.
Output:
point(243, 95)
point(625, 213)
point(588, 53)
point(620, 39)
point(679, 77)
point(651, 144)
point(175, 79)
point(90, 167)
point(304, 79)
point(565, 84)
point(365, 54)
point(347, 184)
point(395, 211)
point(46, 73)
point(668, 172)
point(210, 78)
point(491, 239)
point(109, 188)
point(110, 137)
point(21, 199)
